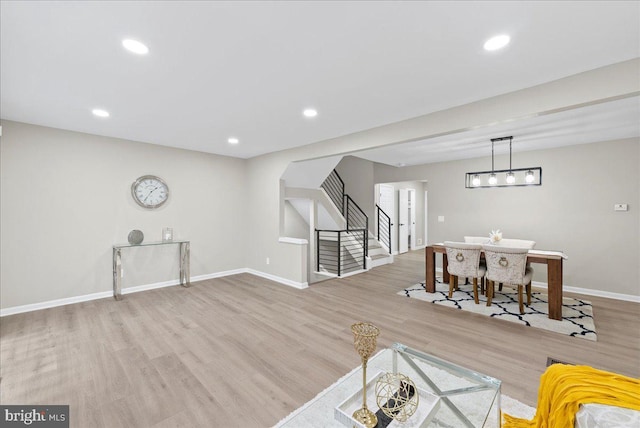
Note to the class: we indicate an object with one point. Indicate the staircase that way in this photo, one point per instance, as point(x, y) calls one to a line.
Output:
point(358, 241)
point(340, 241)
point(378, 255)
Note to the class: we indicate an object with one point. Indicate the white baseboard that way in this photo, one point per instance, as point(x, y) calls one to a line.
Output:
point(585, 291)
point(285, 281)
point(105, 294)
point(218, 274)
point(299, 285)
point(54, 303)
point(590, 292)
point(146, 287)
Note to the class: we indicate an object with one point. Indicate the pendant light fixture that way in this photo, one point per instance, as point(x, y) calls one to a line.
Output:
point(493, 180)
point(511, 178)
point(506, 177)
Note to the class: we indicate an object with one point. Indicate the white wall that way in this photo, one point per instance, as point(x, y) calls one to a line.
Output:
point(357, 175)
point(264, 172)
point(572, 211)
point(65, 196)
point(66, 199)
point(295, 226)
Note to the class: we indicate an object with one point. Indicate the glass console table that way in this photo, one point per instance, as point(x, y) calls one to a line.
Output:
point(185, 250)
point(467, 398)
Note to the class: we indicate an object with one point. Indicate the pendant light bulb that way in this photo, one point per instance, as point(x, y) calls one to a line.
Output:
point(529, 178)
point(493, 180)
point(511, 178)
point(476, 180)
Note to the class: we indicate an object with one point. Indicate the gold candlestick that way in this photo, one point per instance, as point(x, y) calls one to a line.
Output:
point(364, 340)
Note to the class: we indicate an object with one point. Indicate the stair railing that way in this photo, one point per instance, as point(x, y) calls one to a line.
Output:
point(384, 227)
point(340, 251)
point(334, 186)
point(343, 251)
point(356, 219)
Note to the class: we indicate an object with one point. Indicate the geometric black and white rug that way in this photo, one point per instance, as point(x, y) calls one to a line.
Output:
point(577, 314)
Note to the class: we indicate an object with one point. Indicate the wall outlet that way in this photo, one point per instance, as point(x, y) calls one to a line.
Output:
point(440, 219)
point(419, 241)
point(620, 207)
point(268, 261)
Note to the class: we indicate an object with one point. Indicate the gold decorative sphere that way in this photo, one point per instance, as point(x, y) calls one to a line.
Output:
point(397, 396)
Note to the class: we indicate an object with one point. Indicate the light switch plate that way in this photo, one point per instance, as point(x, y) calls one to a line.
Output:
point(620, 207)
point(440, 219)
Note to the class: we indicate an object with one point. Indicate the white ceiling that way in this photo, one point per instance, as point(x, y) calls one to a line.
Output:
point(600, 122)
point(247, 69)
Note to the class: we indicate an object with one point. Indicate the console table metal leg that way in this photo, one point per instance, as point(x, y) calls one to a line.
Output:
point(117, 274)
point(185, 262)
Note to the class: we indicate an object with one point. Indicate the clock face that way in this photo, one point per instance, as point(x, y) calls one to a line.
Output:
point(150, 191)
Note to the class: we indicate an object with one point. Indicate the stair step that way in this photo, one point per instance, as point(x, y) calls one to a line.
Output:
point(379, 256)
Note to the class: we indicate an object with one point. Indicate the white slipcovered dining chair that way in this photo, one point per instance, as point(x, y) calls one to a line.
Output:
point(477, 240)
point(464, 262)
point(515, 243)
point(508, 265)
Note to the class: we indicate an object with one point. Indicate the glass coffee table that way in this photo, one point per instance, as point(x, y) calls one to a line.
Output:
point(465, 398)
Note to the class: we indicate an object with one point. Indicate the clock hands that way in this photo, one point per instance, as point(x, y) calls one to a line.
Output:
point(149, 194)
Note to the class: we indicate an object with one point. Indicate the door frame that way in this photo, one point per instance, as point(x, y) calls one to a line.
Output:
point(412, 219)
point(403, 221)
point(391, 213)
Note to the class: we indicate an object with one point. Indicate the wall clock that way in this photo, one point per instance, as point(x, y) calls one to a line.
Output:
point(150, 191)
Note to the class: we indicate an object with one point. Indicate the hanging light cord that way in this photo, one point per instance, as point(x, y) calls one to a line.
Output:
point(510, 138)
point(492, 168)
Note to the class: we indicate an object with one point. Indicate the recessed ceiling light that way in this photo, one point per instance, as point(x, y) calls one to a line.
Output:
point(233, 140)
point(310, 112)
point(135, 46)
point(100, 112)
point(497, 42)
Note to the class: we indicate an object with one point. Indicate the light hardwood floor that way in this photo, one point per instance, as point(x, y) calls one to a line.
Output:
point(243, 351)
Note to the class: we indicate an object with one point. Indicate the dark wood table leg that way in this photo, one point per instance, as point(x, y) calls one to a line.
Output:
point(445, 268)
point(554, 282)
point(430, 273)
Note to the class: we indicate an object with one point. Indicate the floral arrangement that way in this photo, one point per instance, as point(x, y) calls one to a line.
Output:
point(495, 236)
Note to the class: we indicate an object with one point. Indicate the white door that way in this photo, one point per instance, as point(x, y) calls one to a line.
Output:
point(412, 219)
point(386, 201)
point(403, 221)
point(426, 217)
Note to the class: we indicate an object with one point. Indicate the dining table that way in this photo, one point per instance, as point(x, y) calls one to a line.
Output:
point(553, 260)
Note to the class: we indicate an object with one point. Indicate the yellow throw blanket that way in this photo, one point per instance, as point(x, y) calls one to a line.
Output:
point(563, 388)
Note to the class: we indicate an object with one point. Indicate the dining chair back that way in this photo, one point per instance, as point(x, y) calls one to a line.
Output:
point(464, 262)
point(477, 240)
point(508, 265)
